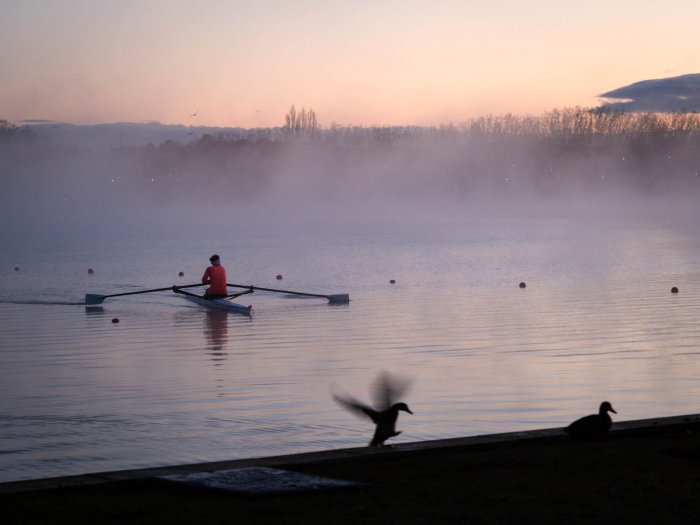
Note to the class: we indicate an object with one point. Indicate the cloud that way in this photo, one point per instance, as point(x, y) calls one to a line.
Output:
point(664, 94)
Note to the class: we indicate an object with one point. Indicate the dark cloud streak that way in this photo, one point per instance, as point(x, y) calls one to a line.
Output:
point(680, 93)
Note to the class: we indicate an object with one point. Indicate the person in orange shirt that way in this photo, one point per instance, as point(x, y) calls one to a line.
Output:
point(215, 277)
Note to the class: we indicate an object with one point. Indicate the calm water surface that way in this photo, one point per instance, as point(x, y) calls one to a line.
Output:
point(174, 384)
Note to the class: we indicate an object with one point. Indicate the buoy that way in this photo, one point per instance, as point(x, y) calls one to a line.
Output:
point(115, 320)
point(91, 271)
point(181, 274)
point(392, 281)
point(279, 277)
point(522, 285)
point(674, 290)
point(17, 268)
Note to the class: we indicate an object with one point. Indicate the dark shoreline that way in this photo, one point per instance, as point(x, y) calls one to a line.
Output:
point(645, 471)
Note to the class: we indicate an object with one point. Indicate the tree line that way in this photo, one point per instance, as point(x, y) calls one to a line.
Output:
point(561, 149)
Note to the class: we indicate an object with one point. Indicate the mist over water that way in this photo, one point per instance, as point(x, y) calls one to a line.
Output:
point(569, 163)
point(599, 227)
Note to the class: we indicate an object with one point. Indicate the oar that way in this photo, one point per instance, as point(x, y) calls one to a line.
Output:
point(91, 298)
point(176, 289)
point(337, 298)
point(239, 294)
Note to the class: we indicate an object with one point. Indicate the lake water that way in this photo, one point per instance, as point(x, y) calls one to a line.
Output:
point(172, 384)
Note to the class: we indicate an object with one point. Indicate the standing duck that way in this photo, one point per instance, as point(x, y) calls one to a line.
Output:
point(386, 389)
point(593, 425)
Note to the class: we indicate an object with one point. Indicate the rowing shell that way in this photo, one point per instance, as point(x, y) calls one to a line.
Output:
point(218, 304)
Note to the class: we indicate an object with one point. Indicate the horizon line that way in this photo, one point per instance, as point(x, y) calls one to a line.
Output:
point(607, 106)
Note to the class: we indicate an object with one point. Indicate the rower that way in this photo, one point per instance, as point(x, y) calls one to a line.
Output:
point(215, 277)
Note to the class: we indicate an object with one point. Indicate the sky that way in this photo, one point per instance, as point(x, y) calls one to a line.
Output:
point(367, 62)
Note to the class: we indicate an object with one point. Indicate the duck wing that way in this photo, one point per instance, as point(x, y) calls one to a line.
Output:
point(389, 388)
point(356, 407)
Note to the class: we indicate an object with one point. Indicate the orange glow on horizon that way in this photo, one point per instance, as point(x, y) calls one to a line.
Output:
point(363, 64)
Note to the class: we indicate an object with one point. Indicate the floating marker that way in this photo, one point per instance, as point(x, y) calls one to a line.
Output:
point(522, 285)
point(279, 277)
point(181, 274)
point(17, 268)
point(392, 281)
point(115, 320)
point(674, 290)
point(91, 271)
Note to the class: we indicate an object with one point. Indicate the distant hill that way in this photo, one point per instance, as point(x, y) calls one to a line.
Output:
point(100, 137)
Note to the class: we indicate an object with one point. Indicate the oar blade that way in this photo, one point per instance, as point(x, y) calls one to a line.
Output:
point(92, 298)
point(341, 298)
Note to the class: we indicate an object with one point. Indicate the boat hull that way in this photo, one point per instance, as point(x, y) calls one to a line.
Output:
point(219, 304)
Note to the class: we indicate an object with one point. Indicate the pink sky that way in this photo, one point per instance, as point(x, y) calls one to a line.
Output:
point(363, 63)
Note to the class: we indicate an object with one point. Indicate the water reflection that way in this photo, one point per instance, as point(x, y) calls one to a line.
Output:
point(216, 333)
point(487, 356)
point(94, 310)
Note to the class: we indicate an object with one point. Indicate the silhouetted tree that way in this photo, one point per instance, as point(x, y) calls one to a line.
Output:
point(302, 124)
point(11, 133)
point(7, 129)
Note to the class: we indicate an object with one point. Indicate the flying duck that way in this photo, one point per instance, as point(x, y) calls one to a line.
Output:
point(386, 389)
point(593, 425)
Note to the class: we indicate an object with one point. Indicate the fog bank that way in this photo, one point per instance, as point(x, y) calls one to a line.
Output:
point(572, 161)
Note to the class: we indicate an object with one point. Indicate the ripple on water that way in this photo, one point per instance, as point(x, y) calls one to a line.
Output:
point(174, 384)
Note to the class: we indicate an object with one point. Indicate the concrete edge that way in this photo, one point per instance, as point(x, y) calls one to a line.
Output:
point(327, 455)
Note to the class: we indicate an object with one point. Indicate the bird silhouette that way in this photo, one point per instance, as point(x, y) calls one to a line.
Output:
point(194, 114)
point(593, 425)
point(386, 389)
